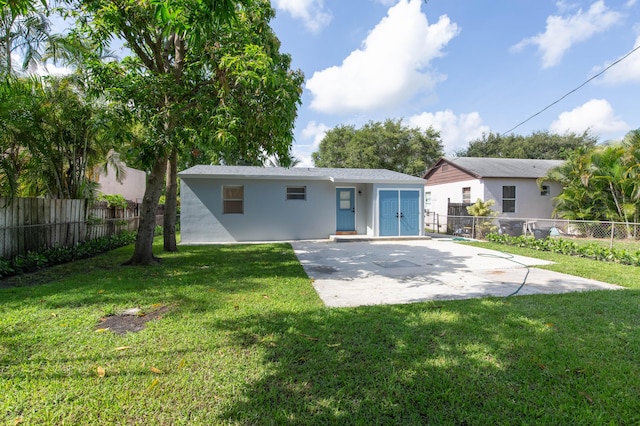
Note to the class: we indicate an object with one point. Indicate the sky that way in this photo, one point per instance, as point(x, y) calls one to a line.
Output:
point(464, 67)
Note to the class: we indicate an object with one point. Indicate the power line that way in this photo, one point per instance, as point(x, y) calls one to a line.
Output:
point(572, 91)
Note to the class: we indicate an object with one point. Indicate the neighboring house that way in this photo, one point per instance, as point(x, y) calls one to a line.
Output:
point(240, 203)
point(131, 188)
point(512, 183)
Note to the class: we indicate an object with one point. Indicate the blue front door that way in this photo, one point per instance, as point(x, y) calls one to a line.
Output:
point(409, 213)
point(399, 213)
point(345, 209)
point(389, 213)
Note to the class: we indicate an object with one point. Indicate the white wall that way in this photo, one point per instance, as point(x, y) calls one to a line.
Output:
point(529, 202)
point(268, 215)
point(132, 187)
point(442, 194)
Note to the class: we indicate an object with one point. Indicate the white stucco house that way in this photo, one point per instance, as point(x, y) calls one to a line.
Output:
point(512, 183)
point(132, 187)
point(241, 203)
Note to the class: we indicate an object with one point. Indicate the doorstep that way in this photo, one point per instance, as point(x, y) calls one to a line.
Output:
point(358, 238)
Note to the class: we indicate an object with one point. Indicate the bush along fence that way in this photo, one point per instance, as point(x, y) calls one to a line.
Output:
point(480, 227)
point(591, 250)
point(32, 261)
point(38, 232)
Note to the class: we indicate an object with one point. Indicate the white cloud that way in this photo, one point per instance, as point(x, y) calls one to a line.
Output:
point(387, 3)
point(596, 115)
point(312, 12)
point(625, 71)
point(455, 131)
point(313, 132)
point(391, 67)
point(563, 32)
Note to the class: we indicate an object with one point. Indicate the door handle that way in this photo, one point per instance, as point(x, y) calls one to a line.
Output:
point(353, 209)
point(401, 215)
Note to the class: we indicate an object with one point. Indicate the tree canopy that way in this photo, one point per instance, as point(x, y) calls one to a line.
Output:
point(202, 75)
point(539, 145)
point(380, 145)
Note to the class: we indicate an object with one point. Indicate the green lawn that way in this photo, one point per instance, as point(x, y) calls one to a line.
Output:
point(246, 340)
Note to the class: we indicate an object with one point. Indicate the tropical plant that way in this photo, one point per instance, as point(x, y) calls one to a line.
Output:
point(601, 183)
point(53, 137)
point(484, 214)
point(23, 30)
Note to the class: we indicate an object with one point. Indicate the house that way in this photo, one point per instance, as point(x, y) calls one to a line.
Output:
point(512, 183)
point(241, 203)
point(131, 188)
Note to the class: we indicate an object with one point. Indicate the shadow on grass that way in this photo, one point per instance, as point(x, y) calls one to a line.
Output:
point(103, 280)
point(486, 361)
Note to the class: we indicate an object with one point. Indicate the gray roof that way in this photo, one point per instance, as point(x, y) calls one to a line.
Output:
point(503, 167)
point(302, 173)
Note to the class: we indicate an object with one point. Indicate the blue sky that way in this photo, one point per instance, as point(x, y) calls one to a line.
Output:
point(463, 66)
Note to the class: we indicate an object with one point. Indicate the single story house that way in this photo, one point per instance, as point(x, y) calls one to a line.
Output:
point(241, 203)
point(512, 183)
point(131, 188)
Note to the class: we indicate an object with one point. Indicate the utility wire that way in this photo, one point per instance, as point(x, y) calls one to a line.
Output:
point(572, 91)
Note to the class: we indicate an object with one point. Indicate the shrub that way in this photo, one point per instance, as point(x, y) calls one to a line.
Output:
point(32, 261)
point(563, 246)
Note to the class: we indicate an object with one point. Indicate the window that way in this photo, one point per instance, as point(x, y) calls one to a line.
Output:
point(296, 192)
point(466, 195)
point(508, 199)
point(232, 199)
point(545, 192)
point(427, 201)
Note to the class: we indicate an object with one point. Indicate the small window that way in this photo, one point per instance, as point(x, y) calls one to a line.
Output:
point(232, 199)
point(296, 192)
point(427, 201)
point(466, 195)
point(545, 192)
point(508, 199)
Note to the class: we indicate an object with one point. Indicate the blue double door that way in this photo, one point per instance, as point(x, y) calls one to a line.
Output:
point(399, 212)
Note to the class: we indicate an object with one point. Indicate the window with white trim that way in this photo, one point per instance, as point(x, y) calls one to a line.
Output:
point(232, 199)
point(466, 195)
point(545, 191)
point(296, 192)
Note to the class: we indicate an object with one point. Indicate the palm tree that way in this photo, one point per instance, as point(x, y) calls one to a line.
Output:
point(23, 31)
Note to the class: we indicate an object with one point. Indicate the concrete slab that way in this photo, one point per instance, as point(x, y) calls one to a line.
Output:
point(407, 271)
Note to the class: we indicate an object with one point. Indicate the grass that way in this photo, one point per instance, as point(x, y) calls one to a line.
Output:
point(247, 341)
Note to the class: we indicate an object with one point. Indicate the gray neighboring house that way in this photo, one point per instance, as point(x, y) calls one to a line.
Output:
point(512, 183)
point(242, 203)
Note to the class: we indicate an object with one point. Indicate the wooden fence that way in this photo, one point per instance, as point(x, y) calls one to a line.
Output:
point(33, 224)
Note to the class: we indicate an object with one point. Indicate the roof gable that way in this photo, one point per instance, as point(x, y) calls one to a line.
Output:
point(498, 167)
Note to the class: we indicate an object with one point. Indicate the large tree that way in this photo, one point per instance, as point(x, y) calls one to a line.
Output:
point(539, 145)
point(380, 145)
point(180, 80)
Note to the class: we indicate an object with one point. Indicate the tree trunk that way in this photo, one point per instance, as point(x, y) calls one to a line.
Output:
point(143, 251)
point(171, 204)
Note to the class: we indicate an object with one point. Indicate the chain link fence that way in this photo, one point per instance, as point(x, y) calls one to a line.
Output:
point(479, 227)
